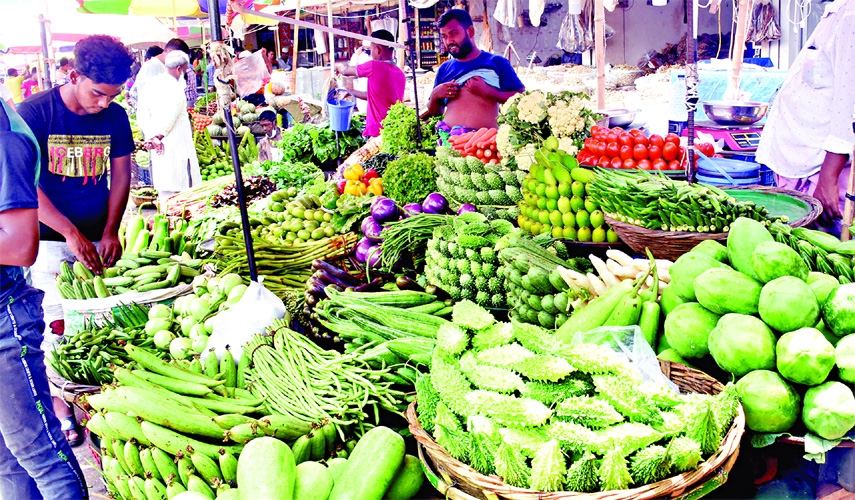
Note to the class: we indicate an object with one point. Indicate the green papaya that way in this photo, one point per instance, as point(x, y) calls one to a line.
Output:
point(713, 249)
point(772, 260)
point(684, 271)
point(688, 327)
point(725, 291)
point(742, 239)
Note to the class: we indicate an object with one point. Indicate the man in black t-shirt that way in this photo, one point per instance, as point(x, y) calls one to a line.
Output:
point(85, 142)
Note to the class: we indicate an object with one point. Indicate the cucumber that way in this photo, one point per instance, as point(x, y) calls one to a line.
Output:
point(318, 444)
point(230, 420)
point(137, 486)
point(119, 281)
point(228, 465)
point(371, 467)
point(123, 487)
point(132, 458)
point(205, 466)
point(266, 469)
point(408, 480)
point(185, 467)
point(302, 449)
point(197, 484)
point(284, 427)
point(119, 448)
point(173, 442)
point(313, 481)
point(148, 463)
point(244, 433)
point(211, 365)
point(169, 414)
point(164, 463)
point(154, 488)
point(243, 364)
point(100, 427)
point(329, 432)
point(228, 369)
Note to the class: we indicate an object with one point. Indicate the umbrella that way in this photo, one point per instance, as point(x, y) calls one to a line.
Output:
point(155, 8)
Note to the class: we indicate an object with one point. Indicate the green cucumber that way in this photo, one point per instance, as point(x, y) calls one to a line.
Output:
point(228, 465)
point(284, 427)
point(371, 467)
point(98, 425)
point(408, 480)
point(267, 469)
point(205, 466)
point(185, 467)
point(197, 484)
point(169, 414)
point(154, 488)
point(127, 427)
point(173, 442)
point(318, 444)
point(164, 463)
point(244, 433)
point(313, 481)
point(132, 458)
point(228, 369)
point(302, 449)
point(230, 420)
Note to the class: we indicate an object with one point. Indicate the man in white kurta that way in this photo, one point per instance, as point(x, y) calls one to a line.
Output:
point(808, 135)
point(162, 116)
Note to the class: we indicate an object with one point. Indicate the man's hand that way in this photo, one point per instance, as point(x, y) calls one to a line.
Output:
point(447, 90)
point(478, 86)
point(827, 193)
point(110, 249)
point(85, 251)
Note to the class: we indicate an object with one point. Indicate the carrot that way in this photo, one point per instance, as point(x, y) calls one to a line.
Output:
point(479, 134)
point(487, 138)
point(488, 153)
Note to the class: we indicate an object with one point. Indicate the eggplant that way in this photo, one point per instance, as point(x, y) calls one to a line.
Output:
point(337, 288)
point(404, 282)
point(466, 207)
point(329, 279)
point(371, 286)
point(336, 272)
point(384, 210)
point(435, 203)
point(439, 292)
point(315, 287)
point(312, 300)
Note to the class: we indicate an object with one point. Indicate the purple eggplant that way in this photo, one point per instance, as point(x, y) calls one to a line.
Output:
point(435, 203)
point(413, 208)
point(372, 229)
point(384, 210)
point(466, 207)
point(331, 270)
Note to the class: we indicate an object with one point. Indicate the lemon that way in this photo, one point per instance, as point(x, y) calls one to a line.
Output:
point(564, 204)
point(578, 189)
point(543, 216)
point(569, 219)
point(584, 234)
point(590, 205)
point(576, 204)
point(557, 232)
point(534, 228)
point(552, 204)
point(555, 218)
point(583, 219)
point(597, 218)
point(569, 233)
point(552, 192)
point(611, 236)
point(598, 235)
point(564, 189)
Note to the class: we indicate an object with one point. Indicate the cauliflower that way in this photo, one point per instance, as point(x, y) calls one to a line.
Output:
point(532, 107)
point(510, 103)
point(565, 118)
point(525, 156)
point(567, 145)
point(503, 141)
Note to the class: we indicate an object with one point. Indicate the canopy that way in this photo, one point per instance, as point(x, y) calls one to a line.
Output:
point(286, 5)
point(155, 8)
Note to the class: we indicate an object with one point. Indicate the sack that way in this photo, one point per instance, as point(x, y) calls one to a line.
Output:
point(250, 74)
point(253, 313)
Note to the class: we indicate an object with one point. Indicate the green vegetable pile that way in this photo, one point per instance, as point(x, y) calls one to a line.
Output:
point(755, 308)
point(461, 259)
point(513, 400)
point(399, 131)
point(308, 143)
point(410, 178)
point(821, 251)
point(285, 174)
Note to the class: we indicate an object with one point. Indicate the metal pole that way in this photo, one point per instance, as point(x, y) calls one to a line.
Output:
point(331, 48)
point(411, 43)
point(43, 30)
point(216, 37)
point(295, 49)
point(600, 49)
point(691, 89)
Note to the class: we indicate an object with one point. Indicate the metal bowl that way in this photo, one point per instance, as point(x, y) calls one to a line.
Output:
point(618, 117)
point(735, 112)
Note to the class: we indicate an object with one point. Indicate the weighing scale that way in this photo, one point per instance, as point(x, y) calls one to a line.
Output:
point(737, 138)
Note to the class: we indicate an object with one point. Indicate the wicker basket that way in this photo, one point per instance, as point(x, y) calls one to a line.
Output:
point(69, 391)
point(672, 244)
point(711, 474)
point(142, 200)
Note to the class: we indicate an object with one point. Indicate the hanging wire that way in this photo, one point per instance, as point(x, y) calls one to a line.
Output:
point(800, 14)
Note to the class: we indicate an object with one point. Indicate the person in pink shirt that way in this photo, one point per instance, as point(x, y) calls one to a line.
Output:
point(385, 82)
point(31, 85)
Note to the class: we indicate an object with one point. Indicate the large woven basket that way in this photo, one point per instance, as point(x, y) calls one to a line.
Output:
point(712, 473)
point(672, 244)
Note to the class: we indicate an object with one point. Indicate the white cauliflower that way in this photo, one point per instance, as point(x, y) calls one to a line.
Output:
point(503, 141)
point(525, 156)
point(532, 107)
point(565, 118)
point(510, 103)
point(566, 144)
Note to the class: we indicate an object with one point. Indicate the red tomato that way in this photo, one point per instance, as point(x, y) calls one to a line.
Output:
point(596, 129)
point(599, 148)
point(589, 143)
point(654, 152)
point(617, 162)
point(645, 165)
point(674, 165)
point(618, 130)
point(582, 156)
point(656, 140)
point(635, 132)
point(639, 152)
point(660, 164)
point(706, 148)
point(605, 162)
point(613, 150)
point(625, 139)
point(611, 137)
point(625, 152)
point(640, 139)
point(670, 151)
point(673, 139)
point(629, 163)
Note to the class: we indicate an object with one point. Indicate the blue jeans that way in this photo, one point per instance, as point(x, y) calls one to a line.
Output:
point(35, 459)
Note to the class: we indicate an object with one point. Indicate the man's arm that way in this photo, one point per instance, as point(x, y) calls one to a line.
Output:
point(478, 86)
point(120, 184)
point(19, 236)
point(827, 191)
point(81, 247)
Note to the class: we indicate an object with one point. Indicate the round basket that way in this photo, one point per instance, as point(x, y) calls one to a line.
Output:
point(672, 244)
point(69, 391)
point(142, 200)
point(711, 474)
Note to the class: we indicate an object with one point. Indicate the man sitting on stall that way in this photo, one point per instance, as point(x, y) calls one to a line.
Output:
point(469, 87)
point(386, 82)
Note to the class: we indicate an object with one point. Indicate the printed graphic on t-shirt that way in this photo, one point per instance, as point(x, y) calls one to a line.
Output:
point(79, 155)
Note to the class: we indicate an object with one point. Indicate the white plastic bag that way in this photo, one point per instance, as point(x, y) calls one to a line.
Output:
point(629, 341)
point(255, 311)
point(251, 74)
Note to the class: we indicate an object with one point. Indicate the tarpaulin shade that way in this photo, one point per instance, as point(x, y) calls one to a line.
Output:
point(156, 8)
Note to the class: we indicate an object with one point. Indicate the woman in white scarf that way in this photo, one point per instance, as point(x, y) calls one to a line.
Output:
point(162, 116)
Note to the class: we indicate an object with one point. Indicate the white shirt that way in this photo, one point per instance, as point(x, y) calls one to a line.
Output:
point(813, 111)
point(360, 83)
point(6, 95)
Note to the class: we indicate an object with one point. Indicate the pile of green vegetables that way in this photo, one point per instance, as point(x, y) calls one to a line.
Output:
point(399, 131)
point(308, 143)
point(469, 180)
point(513, 400)
point(461, 259)
point(410, 178)
point(822, 251)
point(755, 308)
point(285, 174)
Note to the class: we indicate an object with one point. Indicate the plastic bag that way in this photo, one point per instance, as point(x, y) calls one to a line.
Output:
point(629, 341)
point(250, 74)
point(255, 311)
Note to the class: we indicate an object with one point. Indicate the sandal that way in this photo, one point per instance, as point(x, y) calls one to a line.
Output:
point(69, 428)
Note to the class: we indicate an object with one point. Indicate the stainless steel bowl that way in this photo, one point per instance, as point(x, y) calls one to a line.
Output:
point(735, 112)
point(618, 117)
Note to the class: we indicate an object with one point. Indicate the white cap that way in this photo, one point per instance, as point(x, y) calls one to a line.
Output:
point(366, 44)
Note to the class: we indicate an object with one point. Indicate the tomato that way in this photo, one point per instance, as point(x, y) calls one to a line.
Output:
point(582, 156)
point(596, 129)
point(660, 164)
point(599, 149)
point(617, 162)
point(625, 152)
point(605, 162)
point(618, 130)
point(625, 139)
point(640, 139)
point(639, 152)
point(654, 152)
point(656, 140)
point(611, 137)
point(629, 163)
point(706, 148)
point(635, 133)
point(613, 150)
point(674, 165)
point(589, 143)
point(644, 165)
point(670, 151)
point(673, 139)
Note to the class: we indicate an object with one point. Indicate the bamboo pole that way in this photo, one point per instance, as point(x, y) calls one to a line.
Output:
point(402, 36)
point(331, 48)
point(600, 49)
point(849, 204)
point(295, 49)
point(738, 47)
